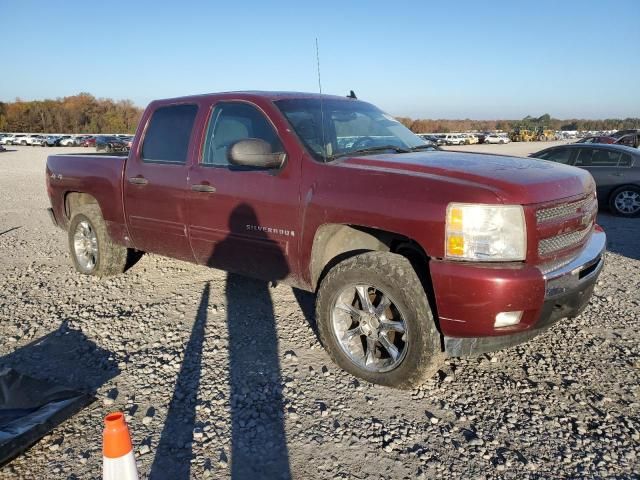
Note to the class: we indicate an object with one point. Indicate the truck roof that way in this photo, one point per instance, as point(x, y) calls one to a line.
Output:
point(247, 94)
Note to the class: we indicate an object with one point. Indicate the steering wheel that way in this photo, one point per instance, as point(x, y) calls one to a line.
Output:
point(362, 142)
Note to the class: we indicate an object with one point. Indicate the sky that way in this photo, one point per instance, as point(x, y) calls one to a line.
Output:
point(444, 59)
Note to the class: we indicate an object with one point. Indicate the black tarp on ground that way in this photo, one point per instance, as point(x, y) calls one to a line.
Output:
point(30, 408)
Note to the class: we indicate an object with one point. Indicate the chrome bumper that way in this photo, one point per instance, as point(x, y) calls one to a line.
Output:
point(580, 270)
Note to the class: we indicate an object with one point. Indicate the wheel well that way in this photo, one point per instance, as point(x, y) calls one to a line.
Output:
point(73, 200)
point(335, 243)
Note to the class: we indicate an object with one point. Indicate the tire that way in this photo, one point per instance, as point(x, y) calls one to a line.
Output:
point(108, 149)
point(501, 142)
point(625, 201)
point(108, 258)
point(381, 274)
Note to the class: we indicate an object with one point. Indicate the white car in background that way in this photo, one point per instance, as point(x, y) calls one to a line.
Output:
point(453, 139)
point(493, 138)
point(14, 140)
point(67, 141)
point(37, 140)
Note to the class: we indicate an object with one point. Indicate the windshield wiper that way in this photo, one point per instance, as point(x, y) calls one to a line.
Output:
point(422, 147)
point(380, 148)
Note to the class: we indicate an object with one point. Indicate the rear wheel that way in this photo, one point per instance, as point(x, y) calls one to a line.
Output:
point(375, 321)
point(91, 248)
point(625, 201)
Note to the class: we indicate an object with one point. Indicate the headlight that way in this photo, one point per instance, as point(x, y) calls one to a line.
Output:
point(491, 233)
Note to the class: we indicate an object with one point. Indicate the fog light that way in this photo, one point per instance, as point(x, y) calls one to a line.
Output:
point(505, 319)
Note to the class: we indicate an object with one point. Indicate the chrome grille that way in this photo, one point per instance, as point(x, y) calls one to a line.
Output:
point(563, 211)
point(559, 242)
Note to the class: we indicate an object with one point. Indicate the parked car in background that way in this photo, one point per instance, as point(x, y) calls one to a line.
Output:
point(469, 138)
point(110, 144)
point(37, 141)
point(430, 139)
point(453, 139)
point(89, 141)
point(52, 141)
point(630, 140)
point(67, 141)
point(622, 133)
point(16, 139)
point(128, 140)
point(494, 138)
point(597, 139)
point(6, 139)
point(615, 168)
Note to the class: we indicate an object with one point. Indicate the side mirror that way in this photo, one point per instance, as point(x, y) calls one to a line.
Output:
point(254, 152)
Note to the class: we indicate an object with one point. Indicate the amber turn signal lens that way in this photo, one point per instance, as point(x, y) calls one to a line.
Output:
point(455, 245)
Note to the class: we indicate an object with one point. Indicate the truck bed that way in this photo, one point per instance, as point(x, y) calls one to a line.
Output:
point(96, 174)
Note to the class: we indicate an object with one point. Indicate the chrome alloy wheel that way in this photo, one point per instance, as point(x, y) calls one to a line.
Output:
point(628, 201)
point(369, 328)
point(85, 245)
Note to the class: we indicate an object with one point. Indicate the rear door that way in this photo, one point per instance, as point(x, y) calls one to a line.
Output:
point(155, 182)
point(244, 220)
point(603, 166)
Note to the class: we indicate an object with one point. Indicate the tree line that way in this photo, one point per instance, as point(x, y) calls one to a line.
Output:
point(82, 113)
point(546, 121)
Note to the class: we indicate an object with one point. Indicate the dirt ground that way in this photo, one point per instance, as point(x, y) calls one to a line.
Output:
point(223, 377)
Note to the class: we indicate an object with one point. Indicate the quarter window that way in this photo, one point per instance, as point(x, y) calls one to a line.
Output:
point(167, 137)
point(231, 122)
point(625, 160)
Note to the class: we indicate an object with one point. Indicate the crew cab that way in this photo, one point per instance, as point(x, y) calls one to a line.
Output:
point(413, 253)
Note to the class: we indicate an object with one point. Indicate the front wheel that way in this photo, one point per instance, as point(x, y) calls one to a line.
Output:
point(91, 248)
point(625, 201)
point(375, 321)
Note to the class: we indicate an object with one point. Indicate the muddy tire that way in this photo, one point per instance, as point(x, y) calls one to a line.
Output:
point(375, 322)
point(92, 251)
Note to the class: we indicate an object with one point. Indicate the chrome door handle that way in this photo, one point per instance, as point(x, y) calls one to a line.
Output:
point(138, 180)
point(203, 188)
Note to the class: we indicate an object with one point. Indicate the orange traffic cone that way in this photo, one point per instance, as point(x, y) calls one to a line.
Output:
point(118, 462)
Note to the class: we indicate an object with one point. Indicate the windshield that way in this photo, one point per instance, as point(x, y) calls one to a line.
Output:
point(349, 126)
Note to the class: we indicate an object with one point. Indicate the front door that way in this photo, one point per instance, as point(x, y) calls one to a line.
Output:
point(244, 220)
point(155, 183)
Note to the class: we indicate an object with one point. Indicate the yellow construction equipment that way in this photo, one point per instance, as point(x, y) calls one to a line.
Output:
point(519, 134)
point(544, 135)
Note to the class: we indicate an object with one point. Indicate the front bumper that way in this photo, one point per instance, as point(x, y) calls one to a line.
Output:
point(467, 312)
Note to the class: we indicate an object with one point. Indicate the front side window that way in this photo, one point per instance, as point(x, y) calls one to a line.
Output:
point(167, 137)
point(231, 122)
point(561, 155)
point(349, 126)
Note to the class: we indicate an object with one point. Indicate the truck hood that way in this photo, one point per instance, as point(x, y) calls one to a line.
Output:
point(513, 179)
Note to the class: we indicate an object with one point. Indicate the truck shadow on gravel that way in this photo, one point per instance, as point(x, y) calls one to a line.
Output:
point(622, 234)
point(65, 356)
point(258, 438)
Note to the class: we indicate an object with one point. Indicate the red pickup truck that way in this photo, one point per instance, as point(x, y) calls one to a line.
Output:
point(414, 253)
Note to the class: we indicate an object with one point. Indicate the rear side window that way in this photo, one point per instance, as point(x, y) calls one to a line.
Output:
point(589, 157)
point(168, 134)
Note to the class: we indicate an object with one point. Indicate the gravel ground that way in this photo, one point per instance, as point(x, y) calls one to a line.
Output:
point(224, 377)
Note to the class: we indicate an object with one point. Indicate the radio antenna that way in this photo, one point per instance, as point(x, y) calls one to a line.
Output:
point(324, 144)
